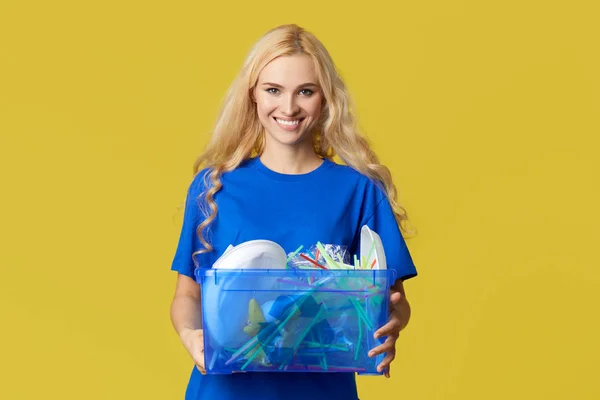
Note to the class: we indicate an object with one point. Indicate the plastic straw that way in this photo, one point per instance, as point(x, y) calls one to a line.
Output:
point(360, 334)
point(326, 346)
point(330, 262)
point(324, 358)
point(371, 251)
point(214, 359)
point(292, 256)
point(362, 313)
point(312, 261)
point(241, 350)
point(253, 353)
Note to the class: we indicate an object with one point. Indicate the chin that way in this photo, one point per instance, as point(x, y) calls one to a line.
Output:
point(291, 139)
point(288, 141)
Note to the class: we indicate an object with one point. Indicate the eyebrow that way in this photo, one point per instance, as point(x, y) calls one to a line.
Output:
point(281, 87)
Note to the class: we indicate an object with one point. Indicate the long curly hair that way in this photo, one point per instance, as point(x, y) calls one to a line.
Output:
point(239, 135)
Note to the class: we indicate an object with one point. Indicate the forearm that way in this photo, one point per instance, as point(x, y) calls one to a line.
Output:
point(403, 311)
point(402, 308)
point(186, 313)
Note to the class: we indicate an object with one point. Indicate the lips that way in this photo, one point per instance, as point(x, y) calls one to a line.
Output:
point(288, 124)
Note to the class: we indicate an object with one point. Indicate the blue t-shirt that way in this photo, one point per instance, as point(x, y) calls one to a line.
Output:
point(329, 204)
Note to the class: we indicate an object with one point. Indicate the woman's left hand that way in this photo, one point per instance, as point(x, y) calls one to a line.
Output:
point(392, 331)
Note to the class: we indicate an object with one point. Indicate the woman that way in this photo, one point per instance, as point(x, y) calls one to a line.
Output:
point(269, 174)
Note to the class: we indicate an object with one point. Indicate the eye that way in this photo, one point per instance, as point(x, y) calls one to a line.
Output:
point(306, 92)
point(272, 90)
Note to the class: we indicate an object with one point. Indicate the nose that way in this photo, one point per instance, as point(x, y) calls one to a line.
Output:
point(288, 105)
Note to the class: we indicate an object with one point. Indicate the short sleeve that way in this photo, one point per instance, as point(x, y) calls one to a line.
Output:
point(383, 222)
point(183, 261)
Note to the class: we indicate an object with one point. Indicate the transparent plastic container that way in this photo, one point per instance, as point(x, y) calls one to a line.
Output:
point(293, 320)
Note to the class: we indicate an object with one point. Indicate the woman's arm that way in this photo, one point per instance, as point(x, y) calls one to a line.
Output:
point(186, 311)
point(186, 316)
point(402, 307)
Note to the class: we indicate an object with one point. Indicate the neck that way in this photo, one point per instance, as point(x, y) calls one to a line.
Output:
point(290, 159)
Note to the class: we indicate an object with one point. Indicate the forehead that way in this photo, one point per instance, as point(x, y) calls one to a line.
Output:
point(289, 70)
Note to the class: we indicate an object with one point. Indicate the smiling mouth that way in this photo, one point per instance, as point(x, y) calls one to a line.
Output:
point(290, 122)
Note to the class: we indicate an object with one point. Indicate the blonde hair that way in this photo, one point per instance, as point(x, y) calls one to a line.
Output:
point(238, 133)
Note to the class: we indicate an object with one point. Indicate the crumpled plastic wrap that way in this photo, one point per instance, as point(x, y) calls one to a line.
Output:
point(336, 252)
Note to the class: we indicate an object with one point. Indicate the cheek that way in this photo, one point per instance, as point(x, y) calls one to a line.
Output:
point(265, 105)
point(314, 107)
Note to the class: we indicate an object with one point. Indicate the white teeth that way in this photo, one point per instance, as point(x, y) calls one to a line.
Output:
point(282, 122)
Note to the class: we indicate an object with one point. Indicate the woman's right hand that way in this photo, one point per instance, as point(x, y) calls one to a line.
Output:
point(193, 341)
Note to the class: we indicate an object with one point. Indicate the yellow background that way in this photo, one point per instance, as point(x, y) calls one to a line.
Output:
point(486, 112)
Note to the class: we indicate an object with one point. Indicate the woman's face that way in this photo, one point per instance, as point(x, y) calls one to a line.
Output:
point(288, 99)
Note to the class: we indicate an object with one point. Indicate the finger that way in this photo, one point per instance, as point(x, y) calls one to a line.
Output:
point(387, 371)
point(388, 346)
point(386, 362)
point(395, 297)
point(198, 355)
point(391, 328)
point(200, 363)
point(199, 359)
